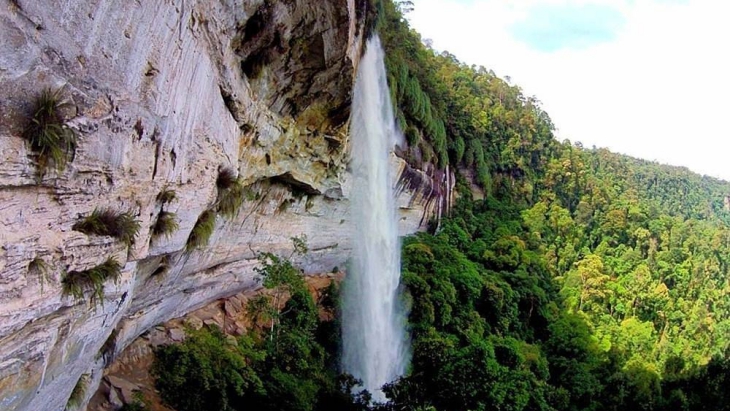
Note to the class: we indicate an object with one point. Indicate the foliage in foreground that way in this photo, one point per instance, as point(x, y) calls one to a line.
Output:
point(107, 222)
point(490, 331)
point(206, 371)
point(52, 142)
point(282, 366)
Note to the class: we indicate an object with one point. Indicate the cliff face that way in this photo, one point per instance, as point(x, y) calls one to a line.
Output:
point(163, 94)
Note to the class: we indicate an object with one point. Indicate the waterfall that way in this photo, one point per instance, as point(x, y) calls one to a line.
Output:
point(375, 345)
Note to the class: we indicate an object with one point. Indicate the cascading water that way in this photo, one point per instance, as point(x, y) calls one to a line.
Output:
point(375, 345)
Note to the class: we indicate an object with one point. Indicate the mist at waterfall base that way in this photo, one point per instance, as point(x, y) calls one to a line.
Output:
point(375, 345)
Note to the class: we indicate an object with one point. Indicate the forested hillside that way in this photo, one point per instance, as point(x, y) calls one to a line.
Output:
point(584, 280)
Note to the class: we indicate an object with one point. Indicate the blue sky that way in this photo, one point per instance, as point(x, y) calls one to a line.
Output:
point(649, 78)
point(552, 27)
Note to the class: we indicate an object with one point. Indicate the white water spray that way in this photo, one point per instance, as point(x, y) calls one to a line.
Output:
point(375, 345)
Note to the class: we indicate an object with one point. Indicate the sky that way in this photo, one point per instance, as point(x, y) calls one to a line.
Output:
point(648, 78)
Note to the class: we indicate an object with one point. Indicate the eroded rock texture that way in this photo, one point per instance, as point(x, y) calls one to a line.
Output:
point(165, 93)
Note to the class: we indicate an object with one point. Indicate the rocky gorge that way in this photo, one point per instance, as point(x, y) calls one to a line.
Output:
point(162, 96)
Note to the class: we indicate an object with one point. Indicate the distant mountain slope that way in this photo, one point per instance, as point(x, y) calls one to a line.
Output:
point(611, 272)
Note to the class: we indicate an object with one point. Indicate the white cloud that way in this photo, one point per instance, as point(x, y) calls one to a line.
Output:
point(659, 90)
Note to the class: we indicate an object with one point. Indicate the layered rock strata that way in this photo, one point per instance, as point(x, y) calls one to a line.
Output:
point(163, 95)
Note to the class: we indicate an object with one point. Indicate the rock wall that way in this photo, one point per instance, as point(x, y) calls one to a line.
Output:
point(163, 93)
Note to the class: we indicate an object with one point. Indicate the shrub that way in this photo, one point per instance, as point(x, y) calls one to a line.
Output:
point(78, 393)
point(230, 192)
point(300, 245)
point(412, 136)
point(283, 367)
point(166, 224)
point(203, 229)
point(76, 283)
point(167, 195)
point(206, 372)
point(138, 403)
point(250, 194)
point(134, 406)
point(50, 139)
point(107, 222)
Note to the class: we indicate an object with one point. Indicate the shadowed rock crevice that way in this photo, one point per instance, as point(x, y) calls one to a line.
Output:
point(286, 50)
point(296, 186)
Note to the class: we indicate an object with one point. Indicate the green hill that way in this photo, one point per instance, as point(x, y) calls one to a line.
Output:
point(585, 280)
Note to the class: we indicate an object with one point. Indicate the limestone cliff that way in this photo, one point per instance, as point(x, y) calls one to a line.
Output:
point(163, 94)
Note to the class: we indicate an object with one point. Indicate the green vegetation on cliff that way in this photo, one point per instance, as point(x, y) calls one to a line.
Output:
point(585, 280)
point(461, 115)
point(288, 362)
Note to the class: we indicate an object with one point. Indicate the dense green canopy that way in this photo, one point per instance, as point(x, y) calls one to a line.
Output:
point(597, 271)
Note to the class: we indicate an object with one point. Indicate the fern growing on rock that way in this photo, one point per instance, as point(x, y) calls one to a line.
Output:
point(52, 142)
point(106, 222)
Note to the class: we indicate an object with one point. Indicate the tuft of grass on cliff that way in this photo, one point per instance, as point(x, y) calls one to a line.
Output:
point(166, 224)
point(107, 222)
point(231, 193)
point(167, 195)
point(77, 283)
point(202, 231)
point(51, 141)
